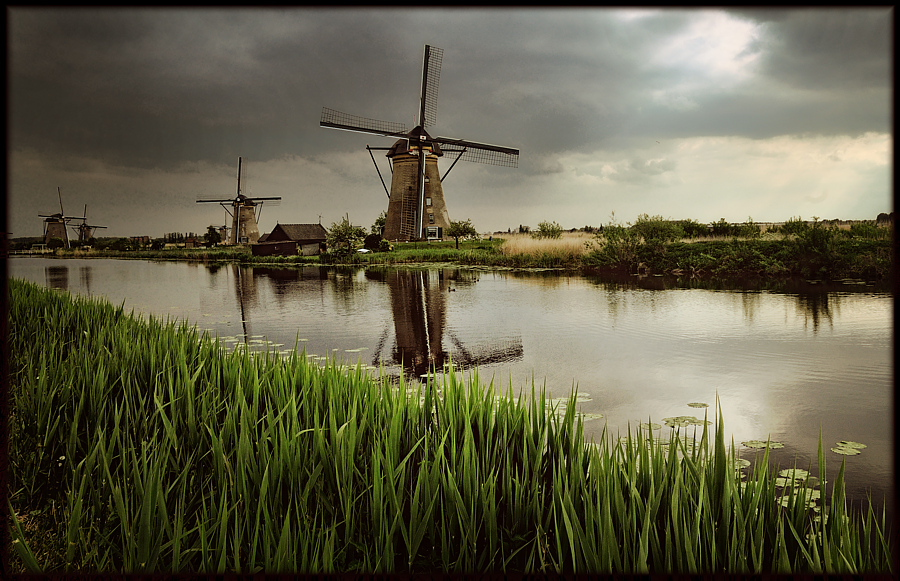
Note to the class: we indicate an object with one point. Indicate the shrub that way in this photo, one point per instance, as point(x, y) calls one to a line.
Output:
point(693, 229)
point(657, 231)
point(547, 230)
point(373, 242)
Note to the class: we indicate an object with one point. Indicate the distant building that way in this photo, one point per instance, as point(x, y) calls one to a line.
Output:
point(291, 240)
point(142, 240)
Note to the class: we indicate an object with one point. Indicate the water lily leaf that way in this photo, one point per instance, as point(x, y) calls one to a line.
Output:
point(762, 444)
point(697, 404)
point(846, 444)
point(590, 416)
point(794, 473)
point(650, 426)
point(845, 451)
point(681, 421)
point(740, 463)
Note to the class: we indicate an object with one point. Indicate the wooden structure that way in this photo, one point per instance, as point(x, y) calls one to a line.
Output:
point(291, 240)
point(416, 208)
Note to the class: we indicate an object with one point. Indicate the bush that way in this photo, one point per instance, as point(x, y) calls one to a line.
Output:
point(373, 242)
point(547, 230)
point(344, 237)
point(657, 231)
point(693, 229)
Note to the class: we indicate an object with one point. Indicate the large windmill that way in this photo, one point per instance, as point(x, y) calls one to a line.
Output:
point(244, 216)
point(84, 230)
point(416, 208)
point(55, 224)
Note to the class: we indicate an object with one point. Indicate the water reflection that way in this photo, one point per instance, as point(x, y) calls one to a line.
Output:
point(817, 308)
point(57, 277)
point(86, 274)
point(418, 305)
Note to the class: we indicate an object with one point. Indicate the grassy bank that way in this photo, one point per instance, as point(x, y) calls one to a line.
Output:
point(815, 251)
point(144, 446)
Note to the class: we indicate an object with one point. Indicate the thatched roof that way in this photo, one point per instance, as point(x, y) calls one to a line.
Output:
point(303, 232)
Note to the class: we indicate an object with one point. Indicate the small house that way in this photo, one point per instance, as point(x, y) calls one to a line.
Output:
point(292, 239)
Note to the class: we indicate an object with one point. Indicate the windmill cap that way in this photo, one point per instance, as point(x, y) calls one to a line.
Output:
point(401, 146)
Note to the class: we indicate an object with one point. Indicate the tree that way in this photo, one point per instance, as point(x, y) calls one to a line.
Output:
point(344, 237)
point(459, 229)
point(547, 230)
point(378, 226)
point(212, 237)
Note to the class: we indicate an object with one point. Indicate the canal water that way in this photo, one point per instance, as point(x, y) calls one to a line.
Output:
point(785, 364)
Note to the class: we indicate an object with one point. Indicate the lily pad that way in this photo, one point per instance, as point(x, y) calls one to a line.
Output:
point(650, 426)
point(697, 404)
point(762, 444)
point(591, 416)
point(845, 451)
point(846, 444)
point(795, 473)
point(682, 421)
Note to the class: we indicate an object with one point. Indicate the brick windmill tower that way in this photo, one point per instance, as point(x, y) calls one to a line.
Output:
point(55, 224)
point(416, 207)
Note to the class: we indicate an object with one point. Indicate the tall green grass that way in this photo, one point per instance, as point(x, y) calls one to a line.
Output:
point(168, 453)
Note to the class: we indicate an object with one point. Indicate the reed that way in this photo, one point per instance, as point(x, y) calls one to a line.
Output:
point(570, 244)
point(169, 453)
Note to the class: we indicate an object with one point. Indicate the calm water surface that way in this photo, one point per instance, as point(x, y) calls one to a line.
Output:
point(783, 365)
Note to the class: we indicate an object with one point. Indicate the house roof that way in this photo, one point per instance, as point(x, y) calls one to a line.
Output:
point(303, 231)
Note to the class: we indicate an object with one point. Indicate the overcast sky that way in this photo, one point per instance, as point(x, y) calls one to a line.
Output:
point(700, 114)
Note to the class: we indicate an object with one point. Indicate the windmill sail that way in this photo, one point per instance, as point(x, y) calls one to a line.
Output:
point(431, 76)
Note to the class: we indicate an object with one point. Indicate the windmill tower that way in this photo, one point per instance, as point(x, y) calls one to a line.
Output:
point(244, 215)
point(55, 224)
point(416, 207)
point(85, 231)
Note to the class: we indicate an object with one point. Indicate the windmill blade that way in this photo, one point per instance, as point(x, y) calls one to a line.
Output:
point(337, 120)
point(480, 152)
point(61, 211)
point(431, 76)
point(270, 198)
point(219, 201)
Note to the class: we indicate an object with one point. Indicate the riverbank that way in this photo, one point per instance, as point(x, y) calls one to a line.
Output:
point(144, 446)
point(817, 254)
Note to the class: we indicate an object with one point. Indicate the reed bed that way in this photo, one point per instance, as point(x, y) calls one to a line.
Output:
point(164, 452)
point(570, 245)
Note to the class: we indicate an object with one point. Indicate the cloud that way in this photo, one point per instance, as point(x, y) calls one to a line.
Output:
point(677, 112)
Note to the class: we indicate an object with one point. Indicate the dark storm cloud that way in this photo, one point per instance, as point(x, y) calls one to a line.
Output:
point(828, 49)
point(156, 86)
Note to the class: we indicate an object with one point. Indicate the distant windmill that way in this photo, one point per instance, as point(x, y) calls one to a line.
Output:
point(84, 230)
point(55, 224)
point(416, 208)
point(244, 217)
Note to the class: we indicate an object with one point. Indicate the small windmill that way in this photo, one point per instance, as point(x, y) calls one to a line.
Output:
point(416, 207)
point(84, 230)
point(244, 216)
point(55, 224)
